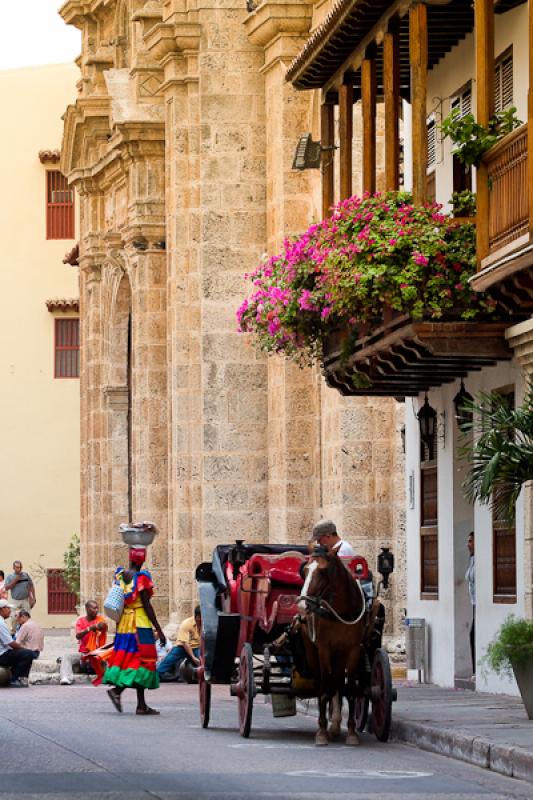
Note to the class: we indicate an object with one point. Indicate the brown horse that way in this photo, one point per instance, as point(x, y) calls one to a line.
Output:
point(332, 632)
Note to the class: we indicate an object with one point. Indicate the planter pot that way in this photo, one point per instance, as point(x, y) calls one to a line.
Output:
point(523, 673)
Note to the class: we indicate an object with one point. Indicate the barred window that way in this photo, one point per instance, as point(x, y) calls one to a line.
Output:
point(67, 348)
point(59, 207)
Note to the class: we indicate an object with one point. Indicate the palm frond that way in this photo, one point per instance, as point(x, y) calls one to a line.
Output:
point(501, 459)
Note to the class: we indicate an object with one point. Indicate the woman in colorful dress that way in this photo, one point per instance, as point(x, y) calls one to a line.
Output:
point(133, 663)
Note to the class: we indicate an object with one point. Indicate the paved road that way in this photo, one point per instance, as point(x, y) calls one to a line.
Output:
point(68, 742)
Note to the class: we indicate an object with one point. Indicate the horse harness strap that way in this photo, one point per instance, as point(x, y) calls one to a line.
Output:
point(323, 608)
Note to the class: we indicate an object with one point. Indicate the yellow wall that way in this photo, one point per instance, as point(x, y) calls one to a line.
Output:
point(39, 415)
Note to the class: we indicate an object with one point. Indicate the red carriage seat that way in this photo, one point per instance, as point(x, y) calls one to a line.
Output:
point(280, 569)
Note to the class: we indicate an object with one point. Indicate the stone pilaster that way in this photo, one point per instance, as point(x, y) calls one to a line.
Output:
point(293, 399)
point(520, 338)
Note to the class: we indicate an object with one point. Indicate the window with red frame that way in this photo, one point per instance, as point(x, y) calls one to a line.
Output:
point(67, 348)
point(59, 207)
point(60, 599)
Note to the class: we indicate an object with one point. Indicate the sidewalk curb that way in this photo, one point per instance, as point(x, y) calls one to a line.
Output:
point(513, 762)
point(510, 761)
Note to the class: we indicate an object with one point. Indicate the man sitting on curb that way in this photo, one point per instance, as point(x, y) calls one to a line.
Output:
point(91, 633)
point(187, 647)
point(29, 634)
point(12, 655)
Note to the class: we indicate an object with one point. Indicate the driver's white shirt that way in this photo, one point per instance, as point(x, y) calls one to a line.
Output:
point(343, 548)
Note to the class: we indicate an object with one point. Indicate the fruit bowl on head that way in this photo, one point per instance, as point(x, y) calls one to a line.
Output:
point(138, 534)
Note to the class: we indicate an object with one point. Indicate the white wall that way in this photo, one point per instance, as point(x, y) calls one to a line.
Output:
point(458, 67)
point(449, 616)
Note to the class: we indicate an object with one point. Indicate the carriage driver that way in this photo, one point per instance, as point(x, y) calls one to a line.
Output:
point(325, 533)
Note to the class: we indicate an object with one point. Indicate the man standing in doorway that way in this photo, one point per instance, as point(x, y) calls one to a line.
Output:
point(22, 591)
point(470, 577)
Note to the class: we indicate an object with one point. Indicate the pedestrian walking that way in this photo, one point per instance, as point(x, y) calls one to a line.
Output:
point(12, 655)
point(22, 590)
point(470, 577)
point(134, 659)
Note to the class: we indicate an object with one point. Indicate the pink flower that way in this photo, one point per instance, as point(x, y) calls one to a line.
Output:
point(420, 259)
point(325, 312)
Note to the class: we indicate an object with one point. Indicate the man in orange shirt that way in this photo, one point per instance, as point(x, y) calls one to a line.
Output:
point(91, 633)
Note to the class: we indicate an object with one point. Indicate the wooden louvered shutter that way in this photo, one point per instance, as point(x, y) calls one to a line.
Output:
point(59, 207)
point(60, 599)
point(67, 348)
point(429, 532)
point(503, 82)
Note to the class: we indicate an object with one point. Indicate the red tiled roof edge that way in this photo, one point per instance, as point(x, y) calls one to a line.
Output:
point(63, 304)
point(49, 156)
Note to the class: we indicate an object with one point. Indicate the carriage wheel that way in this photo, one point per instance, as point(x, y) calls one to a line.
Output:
point(204, 690)
point(361, 712)
point(382, 695)
point(246, 690)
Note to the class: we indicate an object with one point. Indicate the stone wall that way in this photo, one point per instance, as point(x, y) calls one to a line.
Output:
point(181, 144)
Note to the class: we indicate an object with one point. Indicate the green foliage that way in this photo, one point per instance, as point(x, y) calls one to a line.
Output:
point(372, 253)
point(501, 459)
point(512, 644)
point(471, 139)
point(464, 203)
point(71, 565)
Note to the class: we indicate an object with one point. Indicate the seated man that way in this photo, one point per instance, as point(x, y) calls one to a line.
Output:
point(325, 533)
point(187, 646)
point(12, 655)
point(29, 634)
point(91, 633)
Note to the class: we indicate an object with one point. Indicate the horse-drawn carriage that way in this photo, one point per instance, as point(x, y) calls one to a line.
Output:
point(256, 638)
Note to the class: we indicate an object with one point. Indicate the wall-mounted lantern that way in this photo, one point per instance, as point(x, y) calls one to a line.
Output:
point(463, 407)
point(427, 421)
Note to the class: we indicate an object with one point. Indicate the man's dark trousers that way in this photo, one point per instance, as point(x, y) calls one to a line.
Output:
point(18, 661)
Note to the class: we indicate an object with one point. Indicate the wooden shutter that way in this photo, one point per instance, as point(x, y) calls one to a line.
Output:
point(504, 549)
point(429, 534)
point(60, 599)
point(503, 81)
point(67, 348)
point(59, 207)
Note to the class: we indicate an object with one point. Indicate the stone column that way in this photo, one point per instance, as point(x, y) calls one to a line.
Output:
point(520, 338)
point(293, 393)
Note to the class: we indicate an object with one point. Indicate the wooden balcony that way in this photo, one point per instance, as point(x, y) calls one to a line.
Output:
point(508, 189)
point(401, 358)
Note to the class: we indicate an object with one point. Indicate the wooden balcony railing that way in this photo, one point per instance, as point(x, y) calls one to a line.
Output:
point(508, 189)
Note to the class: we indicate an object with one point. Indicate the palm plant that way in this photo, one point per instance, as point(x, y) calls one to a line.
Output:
point(501, 458)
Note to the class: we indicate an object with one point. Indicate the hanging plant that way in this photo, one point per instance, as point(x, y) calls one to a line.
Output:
point(373, 252)
point(471, 139)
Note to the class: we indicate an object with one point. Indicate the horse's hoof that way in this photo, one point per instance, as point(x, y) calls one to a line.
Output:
point(335, 731)
point(353, 740)
point(321, 739)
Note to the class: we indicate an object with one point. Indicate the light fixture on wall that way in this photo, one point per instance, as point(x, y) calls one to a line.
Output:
point(463, 407)
point(308, 154)
point(427, 421)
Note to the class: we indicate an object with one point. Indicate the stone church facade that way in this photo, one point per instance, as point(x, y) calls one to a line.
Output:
point(180, 146)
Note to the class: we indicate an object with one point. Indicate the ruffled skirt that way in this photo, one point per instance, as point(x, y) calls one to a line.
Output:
point(134, 659)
